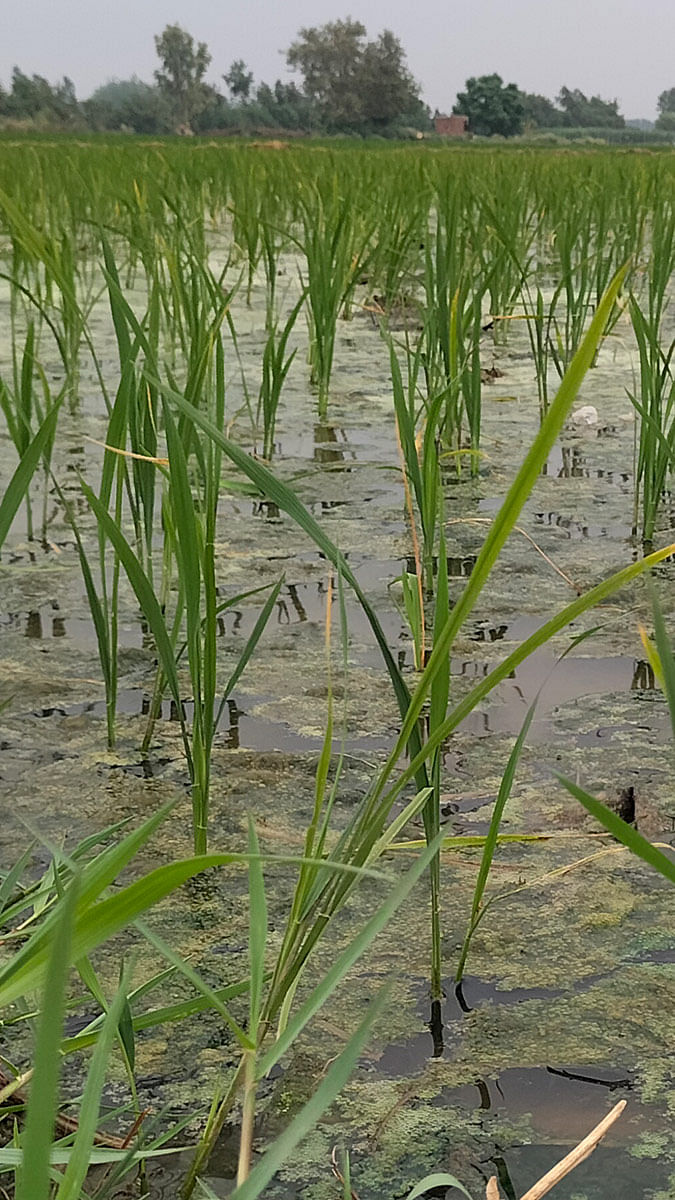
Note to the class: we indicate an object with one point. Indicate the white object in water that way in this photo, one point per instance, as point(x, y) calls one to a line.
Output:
point(586, 415)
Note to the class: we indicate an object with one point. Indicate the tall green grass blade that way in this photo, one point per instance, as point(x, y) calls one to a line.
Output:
point(33, 1181)
point(12, 1157)
point(142, 587)
point(98, 922)
point(492, 837)
point(160, 1016)
point(257, 932)
point(623, 832)
point(510, 510)
point(20, 482)
point(538, 639)
point(213, 999)
point(94, 878)
point(78, 1166)
point(286, 499)
point(329, 1088)
point(251, 643)
point(346, 960)
point(11, 880)
point(666, 660)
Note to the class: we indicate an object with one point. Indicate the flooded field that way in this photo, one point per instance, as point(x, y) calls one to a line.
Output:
point(254, 693)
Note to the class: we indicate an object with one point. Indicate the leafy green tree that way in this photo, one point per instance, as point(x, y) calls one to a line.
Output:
point(32, 97)
point(217, 113)
point(181, 78)
point(357, 86)
point(239, 80)
point(389, 92)
point(286, 106)
point(665, 122)
point(492, 106)
point(591, 112)
point(666, 106)
point(541, 112)
point(328, 58)
point(129, 104)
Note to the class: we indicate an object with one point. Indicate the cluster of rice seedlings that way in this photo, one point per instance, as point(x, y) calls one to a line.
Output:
point(399, 235)
point(276, 364)
point(334, 257)
point(421, 745)
point(46, 280)
point(30, 403)
point(654, 399)
point(72, 913)
point(468, 240)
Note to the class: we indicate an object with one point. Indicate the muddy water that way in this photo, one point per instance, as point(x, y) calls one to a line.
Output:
point(569, 1004)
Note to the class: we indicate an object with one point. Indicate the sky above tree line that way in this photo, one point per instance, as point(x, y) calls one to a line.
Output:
point(619, 49)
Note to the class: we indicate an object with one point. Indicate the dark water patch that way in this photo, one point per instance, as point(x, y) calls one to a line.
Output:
point(490, 504)
point(34, 552)
point(665, 955)
point(582, 530)
point(563, 1102)
point(409, 1057)
point(556, 683)
point(48, 622)
point(629, 1177)
point(305, 603)
point(459, 566)
point(237, 728)
point(571, 462)
point(517, 629)
point(328, 445)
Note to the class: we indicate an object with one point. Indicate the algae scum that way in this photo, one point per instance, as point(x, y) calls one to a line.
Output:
point(568, 1001)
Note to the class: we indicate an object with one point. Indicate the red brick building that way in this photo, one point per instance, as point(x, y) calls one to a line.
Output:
point(453, 126)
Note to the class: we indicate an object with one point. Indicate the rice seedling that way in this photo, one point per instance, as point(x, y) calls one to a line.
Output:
point(654, 398)
point(82, 915)
point(193, 547)
point(247, 226)
point(50, 266)
point(398, 241)
point(34, 449)
point(477, 907)
point(377, 803)
point(334, 253)
point(419, 436)
point(655, 449)
point(463, 235)
point(275, 367)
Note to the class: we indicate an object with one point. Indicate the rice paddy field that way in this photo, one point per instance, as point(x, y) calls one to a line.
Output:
point(337, 695)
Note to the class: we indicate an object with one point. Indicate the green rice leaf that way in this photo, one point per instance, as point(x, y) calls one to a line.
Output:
point(439, 1180)
point(21, 479)
point(330, 1087)
point(257, 933)
point(80, 1158)
point(33, 1182)
point(623, 832)
point(346, 960)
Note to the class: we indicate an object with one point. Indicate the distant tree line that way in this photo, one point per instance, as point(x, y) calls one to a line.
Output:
point(349, 85)
point(346, 85)
point(494, 107)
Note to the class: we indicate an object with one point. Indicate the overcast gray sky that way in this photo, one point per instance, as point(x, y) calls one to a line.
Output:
point(618, 48)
